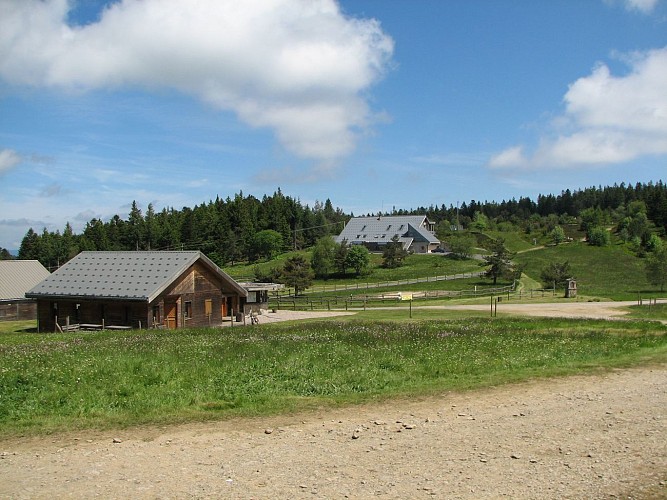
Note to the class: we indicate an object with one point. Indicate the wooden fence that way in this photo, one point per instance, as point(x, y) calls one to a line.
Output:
point(306, 303)
point(360, 286)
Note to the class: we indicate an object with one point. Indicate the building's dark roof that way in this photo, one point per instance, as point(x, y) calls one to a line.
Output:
point(123, 275)
point(382, 229)
point(19, 276)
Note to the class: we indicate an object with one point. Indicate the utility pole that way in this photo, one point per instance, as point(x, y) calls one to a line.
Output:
point(457, 215)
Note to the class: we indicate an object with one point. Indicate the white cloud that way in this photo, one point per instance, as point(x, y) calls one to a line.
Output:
point(8, 159)
point(644, 6)
point(607, 119)
point(299, 67)
point(511, 157)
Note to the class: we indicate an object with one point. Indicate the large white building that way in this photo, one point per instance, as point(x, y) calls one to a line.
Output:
point(415, 232)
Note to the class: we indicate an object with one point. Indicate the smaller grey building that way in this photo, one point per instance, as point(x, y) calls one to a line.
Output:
point(16, 278)
point(258, 296)
point(415, 232)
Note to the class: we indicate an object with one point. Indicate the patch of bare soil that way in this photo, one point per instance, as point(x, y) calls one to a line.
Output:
point(596, 436)
point(599, 310)
point(286, 315)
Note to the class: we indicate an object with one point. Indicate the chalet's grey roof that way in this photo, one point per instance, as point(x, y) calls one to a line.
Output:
point(123, 275)
point(382, 229)
point(19, 276)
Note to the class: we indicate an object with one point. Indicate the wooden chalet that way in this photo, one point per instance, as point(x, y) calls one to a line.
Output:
point(123, 290)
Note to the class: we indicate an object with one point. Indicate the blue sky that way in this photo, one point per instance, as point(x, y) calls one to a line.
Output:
point(373, 104)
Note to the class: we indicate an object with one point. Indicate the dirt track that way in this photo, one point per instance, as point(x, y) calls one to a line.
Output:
point(599, 436)
point(580, 437)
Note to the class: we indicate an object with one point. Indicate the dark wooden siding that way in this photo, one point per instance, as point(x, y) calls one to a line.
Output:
point(99, 312)
point(18, 310)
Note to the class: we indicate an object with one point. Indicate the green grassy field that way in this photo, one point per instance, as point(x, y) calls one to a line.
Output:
point(611, 272)
point(53, 382)
point(657, 311)
point(514, 241)
point(416, 266)
point(603, 272)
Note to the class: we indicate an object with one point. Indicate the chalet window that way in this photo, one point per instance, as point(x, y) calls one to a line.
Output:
point(252, 297)
point(188, 310)
point(208, 307)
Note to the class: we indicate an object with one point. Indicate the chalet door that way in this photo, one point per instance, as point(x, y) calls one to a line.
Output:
point(170, 315)
point(224, 307)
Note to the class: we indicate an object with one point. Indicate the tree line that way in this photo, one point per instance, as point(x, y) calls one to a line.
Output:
point(246, 228)
point(242, 228)
point(611, 200)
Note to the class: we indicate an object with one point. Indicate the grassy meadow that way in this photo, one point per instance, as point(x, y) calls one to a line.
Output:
point(416, 266)
point(54, 382)
point(57, 382)
point(611, 272)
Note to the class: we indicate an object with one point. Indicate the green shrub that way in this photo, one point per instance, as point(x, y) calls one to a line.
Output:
point(599, 237)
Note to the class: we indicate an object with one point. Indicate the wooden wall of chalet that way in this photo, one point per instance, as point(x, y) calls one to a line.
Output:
point(202, 289)
point(18, 310)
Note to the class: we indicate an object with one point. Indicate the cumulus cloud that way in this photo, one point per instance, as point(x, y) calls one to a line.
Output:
point(298, 67)
point(608, 119)
point(8, 159)
point(644, 6)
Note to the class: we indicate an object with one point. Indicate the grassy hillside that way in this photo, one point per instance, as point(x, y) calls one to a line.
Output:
point(605, 272)
point(514, 241)
point(611, 272)
point(416, 266)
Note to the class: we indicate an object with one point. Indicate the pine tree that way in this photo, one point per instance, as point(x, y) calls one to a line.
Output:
point(499, 262)
point(297, 274)
point(394, 254)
